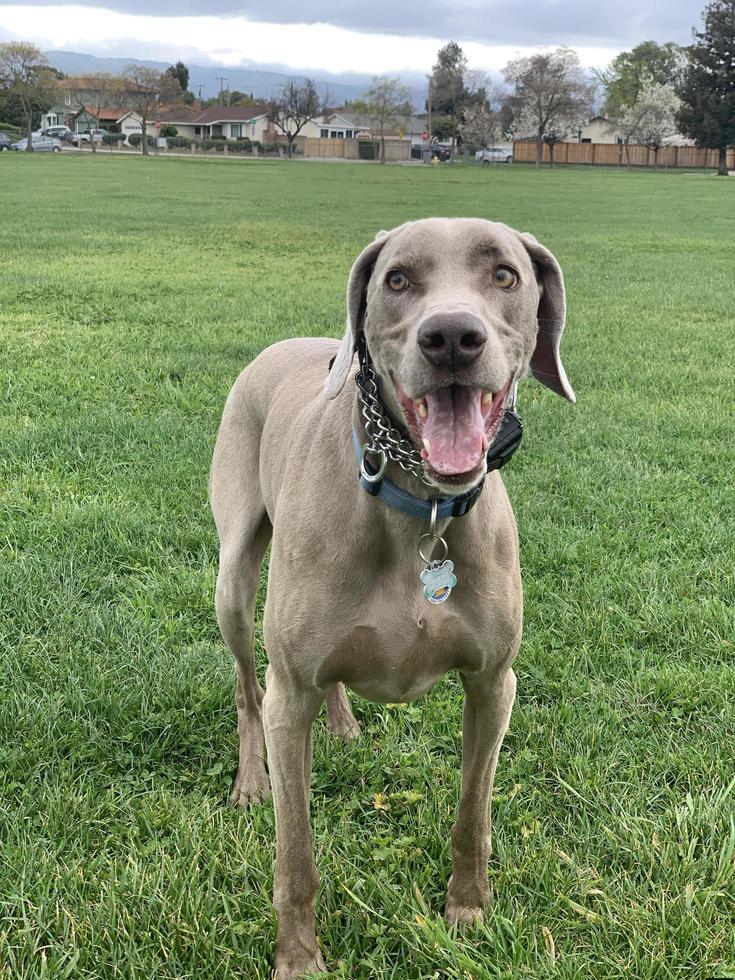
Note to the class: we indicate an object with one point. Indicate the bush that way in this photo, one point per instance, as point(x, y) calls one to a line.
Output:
point(213, 144)
point(181, 142)
point(110, 139)
point(135, 138)
point(169, 131)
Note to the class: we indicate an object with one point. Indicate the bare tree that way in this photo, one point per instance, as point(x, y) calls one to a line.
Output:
point(24, 73)
point(548, 88)
point(94, 93)
point(145, 90)
point(293, 107)
point(386, 101)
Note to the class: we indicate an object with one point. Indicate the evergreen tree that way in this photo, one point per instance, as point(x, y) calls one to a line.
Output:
point(707, 90)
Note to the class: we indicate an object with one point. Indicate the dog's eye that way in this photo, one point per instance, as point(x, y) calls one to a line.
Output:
point(397, 281)
point(505, 277)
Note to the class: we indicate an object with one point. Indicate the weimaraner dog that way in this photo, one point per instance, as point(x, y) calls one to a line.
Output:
point(446, 315)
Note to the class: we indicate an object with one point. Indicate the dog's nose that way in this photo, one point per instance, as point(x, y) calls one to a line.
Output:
point(452, 340)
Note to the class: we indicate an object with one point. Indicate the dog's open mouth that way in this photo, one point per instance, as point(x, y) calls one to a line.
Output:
point(454, 426)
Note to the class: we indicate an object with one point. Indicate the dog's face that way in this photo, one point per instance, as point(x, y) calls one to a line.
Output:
point(454, 312)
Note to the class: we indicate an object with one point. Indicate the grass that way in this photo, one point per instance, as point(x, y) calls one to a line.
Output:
point(132, 292)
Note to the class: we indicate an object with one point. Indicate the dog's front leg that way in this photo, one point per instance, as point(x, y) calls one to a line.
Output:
point(488, 703)
point(288, 714)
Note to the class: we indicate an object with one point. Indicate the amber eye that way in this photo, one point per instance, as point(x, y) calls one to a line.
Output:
point(505, 277)
point(397, 281)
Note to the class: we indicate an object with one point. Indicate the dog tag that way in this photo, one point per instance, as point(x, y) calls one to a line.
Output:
point(439, 580)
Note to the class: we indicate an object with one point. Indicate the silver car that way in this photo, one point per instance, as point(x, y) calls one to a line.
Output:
point(494, 154)
point(40, 145)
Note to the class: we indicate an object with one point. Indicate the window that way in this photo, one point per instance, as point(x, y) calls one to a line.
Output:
point(235, 130)
point(323, 133)
point(585, 139)
point(337, 134)
point(349, 133)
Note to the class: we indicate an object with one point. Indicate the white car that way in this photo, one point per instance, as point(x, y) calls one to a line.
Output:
point(494, 154)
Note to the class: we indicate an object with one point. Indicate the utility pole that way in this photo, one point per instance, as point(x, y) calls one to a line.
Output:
point(221, 81)
point(428, 106)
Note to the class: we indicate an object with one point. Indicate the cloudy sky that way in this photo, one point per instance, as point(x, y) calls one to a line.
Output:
point(340, 35)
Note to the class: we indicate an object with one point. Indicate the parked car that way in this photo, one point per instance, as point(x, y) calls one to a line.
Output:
point(5, 142)
point(441, 152)
point(89, 134)
point(57, 132)
point(494, 154)
point(40, 145)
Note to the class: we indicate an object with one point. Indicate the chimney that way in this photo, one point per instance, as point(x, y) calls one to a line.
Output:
point(197, 106)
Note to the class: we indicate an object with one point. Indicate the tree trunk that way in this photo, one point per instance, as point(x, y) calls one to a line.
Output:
point(655, 159)
point(722, 162)
point(290, 140)
point(551, 155)
point(382, 146)
point(144, 138)
point(627, 155)
point(539, 152)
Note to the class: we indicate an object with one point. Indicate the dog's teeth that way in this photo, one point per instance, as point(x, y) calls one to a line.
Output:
point(487, 397)
point(423, 410)
point(427, 445)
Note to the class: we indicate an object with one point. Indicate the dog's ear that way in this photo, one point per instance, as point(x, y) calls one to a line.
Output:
point(546, 363)
point(356, 309)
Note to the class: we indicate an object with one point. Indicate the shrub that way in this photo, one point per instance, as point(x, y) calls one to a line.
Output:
point(110, 139)
point(135, 138)
point(169, 131)
point(181, 141)
point(213, 144)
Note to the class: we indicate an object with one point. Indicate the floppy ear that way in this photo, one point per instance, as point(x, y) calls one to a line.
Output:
point(356, 308)
point(546, 364)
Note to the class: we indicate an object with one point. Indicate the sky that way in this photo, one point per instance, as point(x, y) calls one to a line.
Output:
point(380, 36)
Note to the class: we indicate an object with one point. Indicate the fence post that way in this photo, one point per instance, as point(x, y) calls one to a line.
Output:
point(193, 148)
point(593, 153)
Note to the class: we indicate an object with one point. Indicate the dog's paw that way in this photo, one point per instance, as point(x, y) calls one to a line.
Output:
point(294, 968)
point(462, 915)
point(251, 785)
point(343, 723)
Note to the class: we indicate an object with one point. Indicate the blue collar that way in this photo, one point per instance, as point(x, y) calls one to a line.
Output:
point(401, 500)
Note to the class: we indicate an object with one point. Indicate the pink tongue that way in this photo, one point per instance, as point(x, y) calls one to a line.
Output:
point(454, 429)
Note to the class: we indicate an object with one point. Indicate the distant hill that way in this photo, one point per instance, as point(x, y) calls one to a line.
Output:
point(259, 82)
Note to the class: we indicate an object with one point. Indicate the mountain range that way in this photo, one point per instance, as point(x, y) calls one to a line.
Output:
point(205, 81)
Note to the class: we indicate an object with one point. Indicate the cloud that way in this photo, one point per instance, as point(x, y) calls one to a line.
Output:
point(234, 41)
point(492, 22)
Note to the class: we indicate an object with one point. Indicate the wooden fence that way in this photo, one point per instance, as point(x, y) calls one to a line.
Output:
point(614, 155)
point(350, 149)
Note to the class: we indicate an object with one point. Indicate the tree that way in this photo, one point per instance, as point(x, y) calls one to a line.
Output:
point(94, 93)
point(548, 91)
point(447, 90)
point(26, 77)
point(480, 124)
point(655, 112)
point(294, 106)
point(180, 73)
point(707, 88)
point(626, 74)
point(386, 101)
point(146, 89)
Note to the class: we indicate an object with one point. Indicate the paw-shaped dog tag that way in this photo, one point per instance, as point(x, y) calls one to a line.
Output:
point(439, 580)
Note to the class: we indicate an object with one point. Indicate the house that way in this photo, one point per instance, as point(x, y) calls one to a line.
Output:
point(343, 124)
point(598, 129)
point(115, 119)
point(220, 122)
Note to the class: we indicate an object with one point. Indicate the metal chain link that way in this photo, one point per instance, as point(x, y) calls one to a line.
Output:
point(382, 434)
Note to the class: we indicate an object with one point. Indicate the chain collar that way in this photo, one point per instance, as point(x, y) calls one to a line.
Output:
point(383, 437)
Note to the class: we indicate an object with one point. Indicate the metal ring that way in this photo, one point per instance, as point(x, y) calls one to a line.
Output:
point(433, 537)
point(372, 477)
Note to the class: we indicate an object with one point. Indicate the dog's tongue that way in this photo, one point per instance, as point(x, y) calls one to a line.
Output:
point(454, 429)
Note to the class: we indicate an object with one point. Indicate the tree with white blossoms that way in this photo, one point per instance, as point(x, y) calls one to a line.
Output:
point(651, 120)
point(562, 128)
point(480, 125)
point(549, 91)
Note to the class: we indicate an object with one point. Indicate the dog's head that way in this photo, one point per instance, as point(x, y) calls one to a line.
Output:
point(454, 310)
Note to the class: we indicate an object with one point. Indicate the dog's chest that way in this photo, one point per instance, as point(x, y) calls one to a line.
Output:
point(401, 657)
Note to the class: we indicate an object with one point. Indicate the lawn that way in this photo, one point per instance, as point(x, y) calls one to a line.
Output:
point(132, 292)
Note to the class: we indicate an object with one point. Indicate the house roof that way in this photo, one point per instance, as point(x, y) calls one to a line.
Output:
point(116, 113)
point(214, 114)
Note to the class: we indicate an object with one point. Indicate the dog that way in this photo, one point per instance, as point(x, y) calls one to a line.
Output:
point(446, 315)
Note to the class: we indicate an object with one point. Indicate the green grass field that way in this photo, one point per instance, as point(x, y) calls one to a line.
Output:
point(132, 292)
